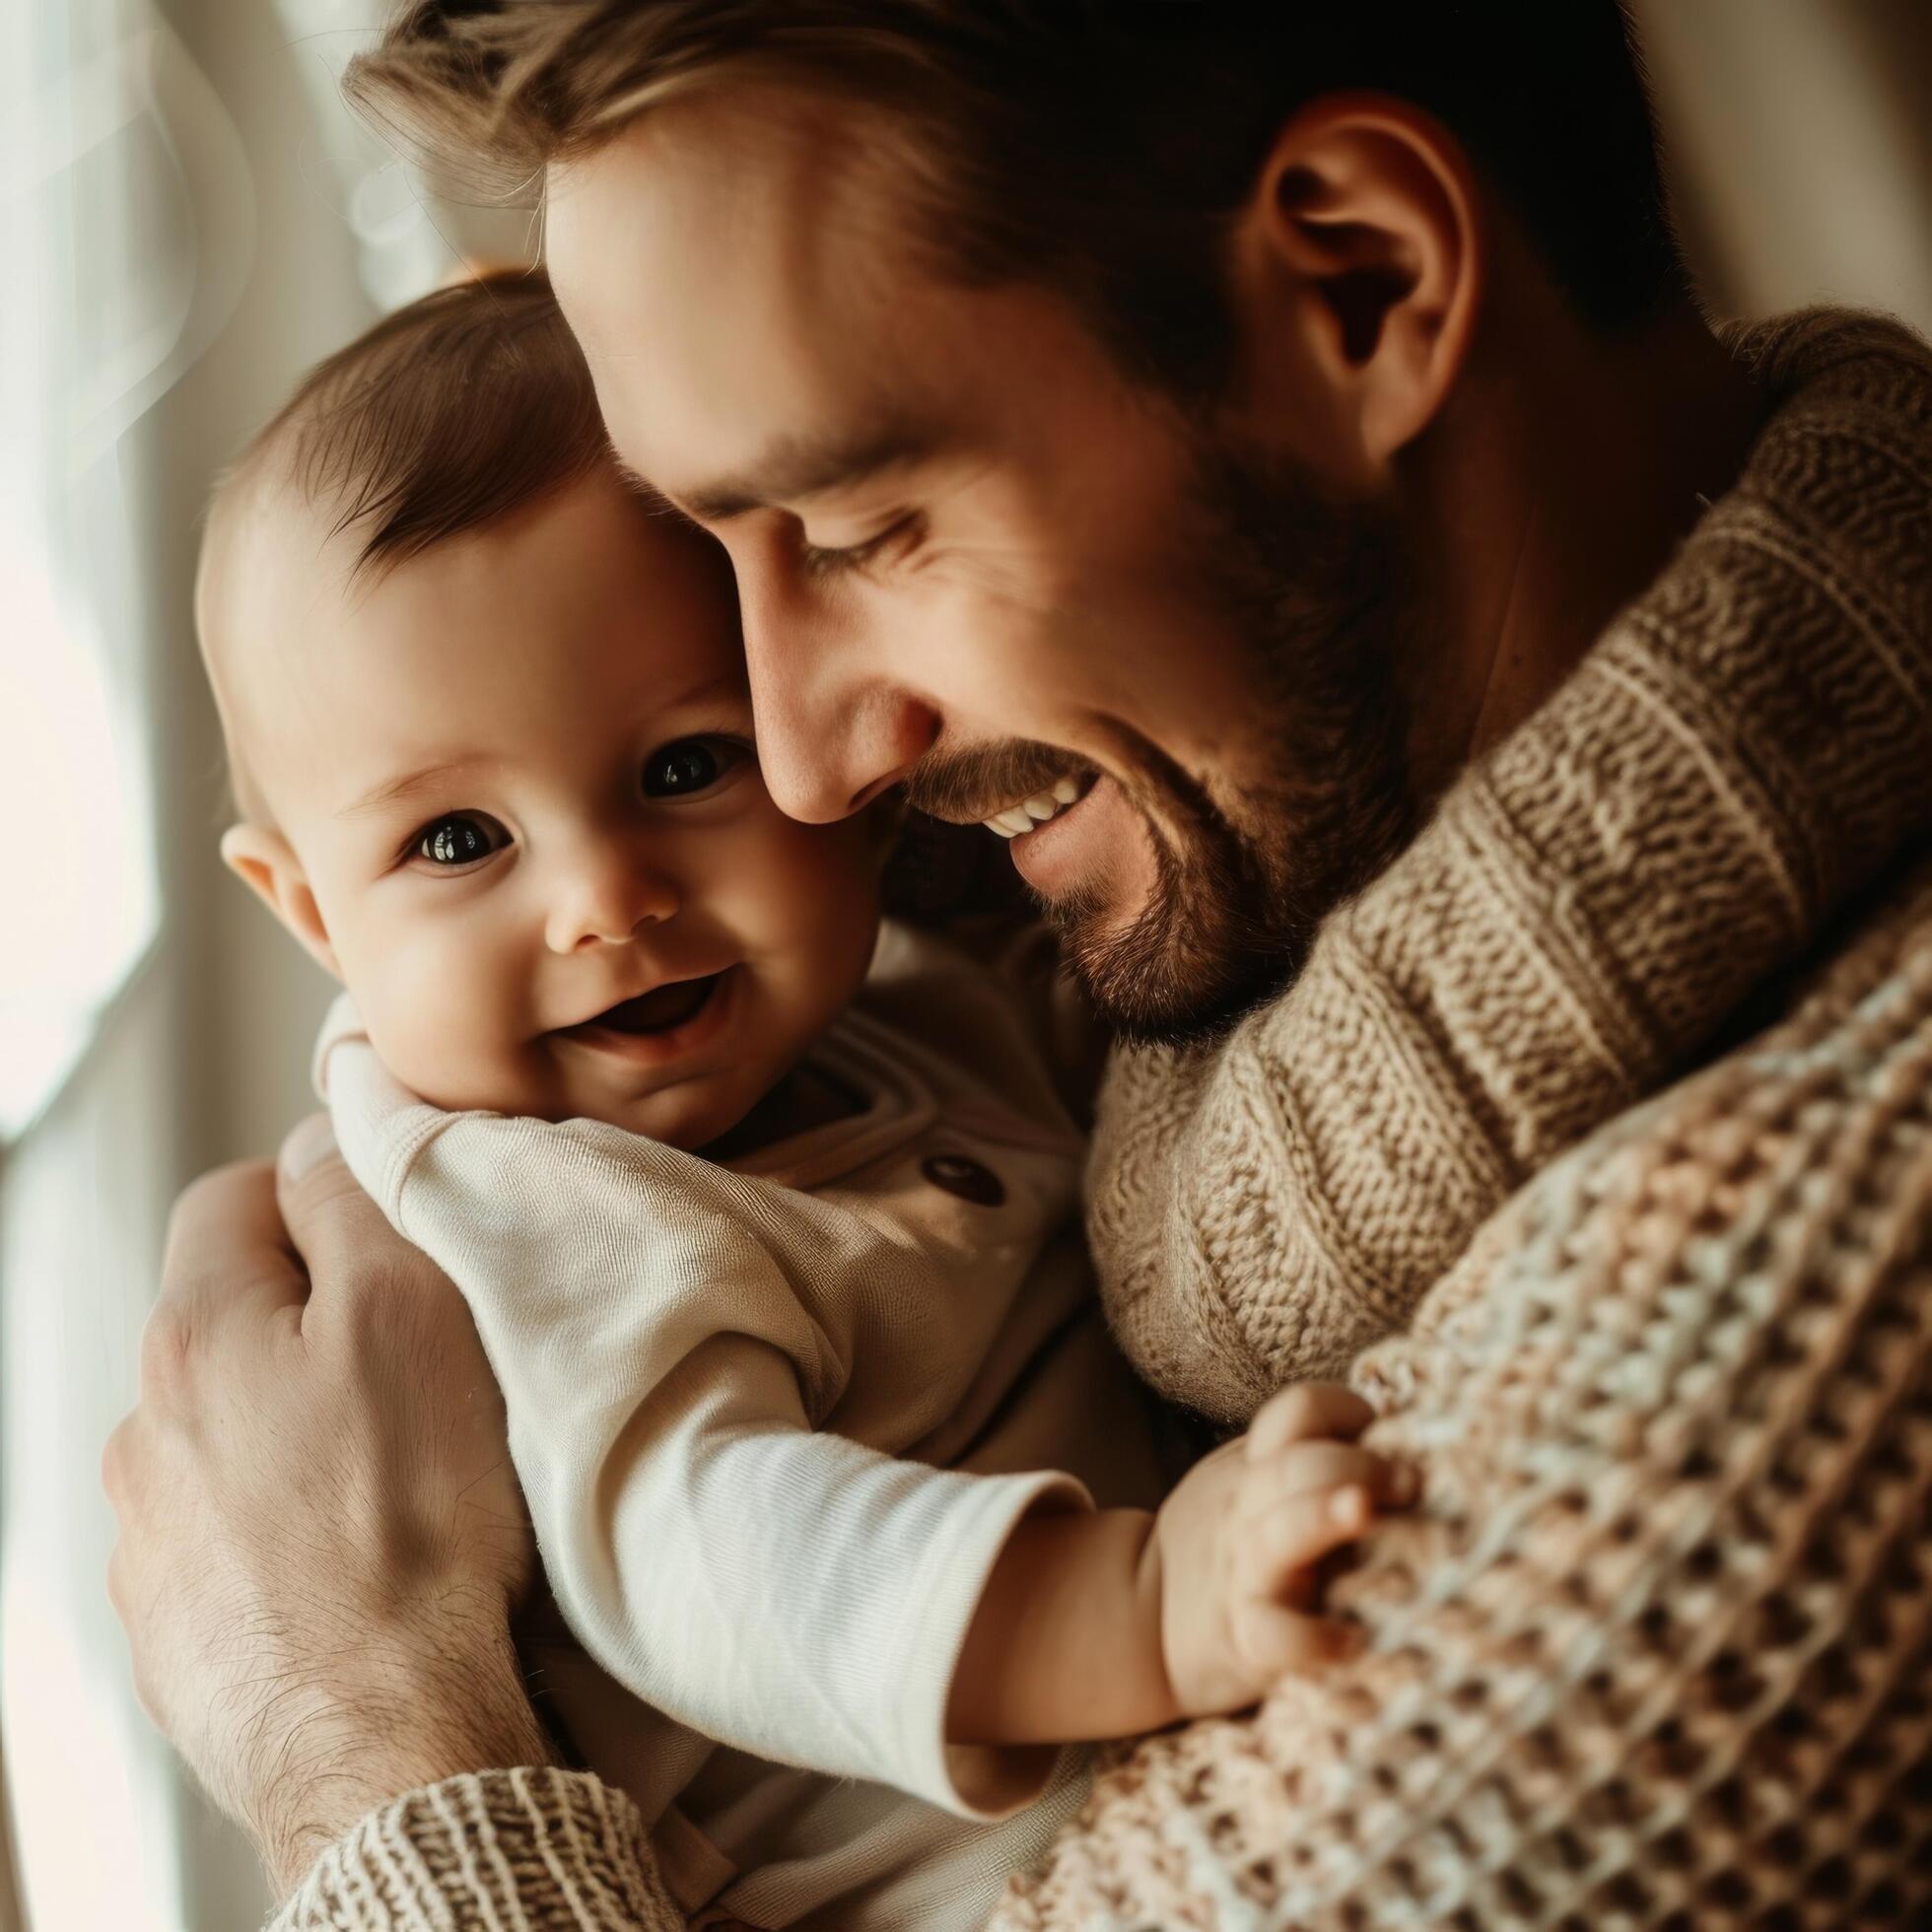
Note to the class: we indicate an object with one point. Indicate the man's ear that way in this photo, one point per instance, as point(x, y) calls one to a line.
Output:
point(264, 859)
point(1359, 270)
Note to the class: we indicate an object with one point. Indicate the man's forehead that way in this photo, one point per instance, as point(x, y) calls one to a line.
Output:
point(751, 342)
point(782, 186)
point(791, 468)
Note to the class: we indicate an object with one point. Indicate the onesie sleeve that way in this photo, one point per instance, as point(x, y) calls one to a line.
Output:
point(667, 1335)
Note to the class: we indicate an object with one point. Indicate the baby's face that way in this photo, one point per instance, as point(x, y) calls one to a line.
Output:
point(517, 773)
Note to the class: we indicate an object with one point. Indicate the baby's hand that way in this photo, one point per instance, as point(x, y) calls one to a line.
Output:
point(1238, 1539)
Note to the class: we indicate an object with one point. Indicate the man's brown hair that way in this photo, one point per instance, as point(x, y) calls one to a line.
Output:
point(453, 411)
point(1099, 147)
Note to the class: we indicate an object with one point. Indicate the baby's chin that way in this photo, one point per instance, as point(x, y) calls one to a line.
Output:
point(687, 1114)
point(690, 1116)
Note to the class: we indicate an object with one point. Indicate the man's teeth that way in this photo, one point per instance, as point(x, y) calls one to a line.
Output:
point(1036, 810)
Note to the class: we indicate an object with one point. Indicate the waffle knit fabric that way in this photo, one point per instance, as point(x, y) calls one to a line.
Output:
point(1657, 1648)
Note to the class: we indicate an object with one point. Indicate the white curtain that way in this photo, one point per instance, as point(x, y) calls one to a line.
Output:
point(190, 219)
point(173, 253)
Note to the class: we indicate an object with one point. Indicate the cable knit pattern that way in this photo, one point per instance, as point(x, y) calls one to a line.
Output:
point(532, 1850)
point(1745, 749)
point(1656, 1649)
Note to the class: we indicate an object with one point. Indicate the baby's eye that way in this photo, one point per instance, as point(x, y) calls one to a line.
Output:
point(689, 765)
point(463, 838)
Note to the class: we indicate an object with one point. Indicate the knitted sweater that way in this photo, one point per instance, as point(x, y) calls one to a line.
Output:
point(1655, 1648)
point(1743, 750)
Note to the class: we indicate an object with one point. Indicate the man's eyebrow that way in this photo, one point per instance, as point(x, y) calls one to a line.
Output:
point(394, 789)
point(724, 685)
point(792, 468)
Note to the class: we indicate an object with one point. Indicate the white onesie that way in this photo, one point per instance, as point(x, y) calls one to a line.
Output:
point(775, 1421)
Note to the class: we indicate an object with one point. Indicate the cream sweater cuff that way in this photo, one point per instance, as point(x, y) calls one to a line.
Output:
point(525, 1851)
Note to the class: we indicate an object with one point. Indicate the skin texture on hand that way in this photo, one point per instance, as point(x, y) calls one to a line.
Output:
point(322, 1538)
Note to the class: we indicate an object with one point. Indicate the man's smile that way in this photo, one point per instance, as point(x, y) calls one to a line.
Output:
point(1006, 787)
point(1039, 808)
point(1098, 836)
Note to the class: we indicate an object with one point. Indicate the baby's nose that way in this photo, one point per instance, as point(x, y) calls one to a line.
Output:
point(605, 900)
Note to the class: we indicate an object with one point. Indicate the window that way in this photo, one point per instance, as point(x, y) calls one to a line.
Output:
point(128, 215)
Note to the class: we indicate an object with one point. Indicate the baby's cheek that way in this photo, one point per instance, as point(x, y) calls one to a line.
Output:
point(449, 1018)
point(814, 903)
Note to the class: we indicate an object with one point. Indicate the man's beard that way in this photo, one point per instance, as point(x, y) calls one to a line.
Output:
point(1248, 866)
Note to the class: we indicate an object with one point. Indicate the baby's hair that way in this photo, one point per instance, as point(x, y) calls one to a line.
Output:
point(453, 411)
point(459, 409)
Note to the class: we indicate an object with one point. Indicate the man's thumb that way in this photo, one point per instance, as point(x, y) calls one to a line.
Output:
point(328, 1215)
point(308, 1142)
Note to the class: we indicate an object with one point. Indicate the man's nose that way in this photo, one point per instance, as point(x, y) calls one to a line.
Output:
point(818, 770)
point(834, 727)
point(605, 897)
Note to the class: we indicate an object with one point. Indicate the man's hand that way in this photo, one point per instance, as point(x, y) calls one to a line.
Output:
point(322, 1537)
point(1239, 1539)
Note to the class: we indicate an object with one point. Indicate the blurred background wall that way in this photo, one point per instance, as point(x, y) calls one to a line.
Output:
point(206, 222)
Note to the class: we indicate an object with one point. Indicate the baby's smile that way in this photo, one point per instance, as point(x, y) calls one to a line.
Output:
point(657, 1028)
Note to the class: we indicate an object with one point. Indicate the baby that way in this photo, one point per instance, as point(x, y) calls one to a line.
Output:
point(768, 1216)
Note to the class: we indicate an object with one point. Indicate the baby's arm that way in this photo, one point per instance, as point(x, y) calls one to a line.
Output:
point(669, 1336)
point(781, 1589)
point(1107, 1624)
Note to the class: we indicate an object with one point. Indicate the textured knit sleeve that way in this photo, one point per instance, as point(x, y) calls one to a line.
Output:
point(668, 1335)
point(530, 1850)
point(1655, 1649)
point(1744, 751)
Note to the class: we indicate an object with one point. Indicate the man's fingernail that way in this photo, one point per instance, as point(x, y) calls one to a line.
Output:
point(314, 1140)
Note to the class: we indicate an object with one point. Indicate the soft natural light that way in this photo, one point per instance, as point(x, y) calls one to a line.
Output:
point(103, 312)
point(68, 1718)
point(81, 903)
point(108, 134)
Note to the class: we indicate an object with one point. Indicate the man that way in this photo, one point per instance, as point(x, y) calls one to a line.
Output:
point(1490, 699)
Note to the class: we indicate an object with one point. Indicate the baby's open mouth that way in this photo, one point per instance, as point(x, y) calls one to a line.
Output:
point(675, 1004)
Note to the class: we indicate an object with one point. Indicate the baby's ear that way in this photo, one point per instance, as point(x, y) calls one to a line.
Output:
point(263, 859)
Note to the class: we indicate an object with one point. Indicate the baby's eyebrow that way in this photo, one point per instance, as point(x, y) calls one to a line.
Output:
point(724, 685)
point(392, 790)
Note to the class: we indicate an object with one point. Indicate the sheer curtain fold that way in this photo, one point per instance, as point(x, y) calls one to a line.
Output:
point(146, 319)
point(127, 231)
point(190, 219)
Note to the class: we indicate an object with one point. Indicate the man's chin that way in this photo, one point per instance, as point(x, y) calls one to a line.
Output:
point(1162, 973)
point(1161, 942)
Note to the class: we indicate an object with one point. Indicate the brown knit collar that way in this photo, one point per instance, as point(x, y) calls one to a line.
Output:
point(1786, 652)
